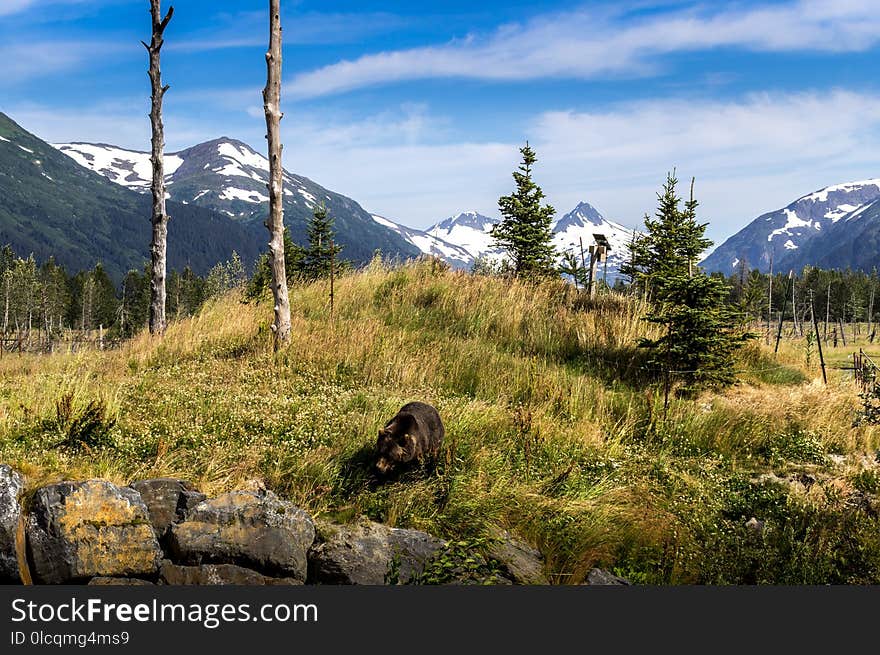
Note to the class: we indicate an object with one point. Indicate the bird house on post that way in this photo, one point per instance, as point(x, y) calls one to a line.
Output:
point(598, 253)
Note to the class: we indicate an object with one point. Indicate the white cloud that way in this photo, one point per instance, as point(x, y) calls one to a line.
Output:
point(124, 123)
point(36, 58)
point(587, 43)
point(39, 58)
point(749, 156)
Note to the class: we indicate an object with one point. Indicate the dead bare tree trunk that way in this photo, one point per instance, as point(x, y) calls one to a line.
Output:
point(159, 241)
point(275, 222)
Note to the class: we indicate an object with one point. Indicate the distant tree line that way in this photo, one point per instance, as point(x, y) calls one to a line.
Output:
point(46, 298)
point(844, 296)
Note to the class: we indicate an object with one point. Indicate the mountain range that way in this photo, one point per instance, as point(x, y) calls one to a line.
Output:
point(52, 207)
point(573, 233)
point(87, 203)
point(229, 178)
point(835, 227)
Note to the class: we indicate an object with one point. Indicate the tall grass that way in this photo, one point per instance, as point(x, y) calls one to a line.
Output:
point(556, 429)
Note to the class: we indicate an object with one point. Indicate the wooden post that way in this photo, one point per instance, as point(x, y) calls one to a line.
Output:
point(842, 331)
point(782, 312)
point(594, 259)
point(159, 219)
point(871, 309)
point(827, 311)
point(583, 258)
point(332, 267)
point(275, 222)
point(770, 301)
point(605, 268)
point(818, 340)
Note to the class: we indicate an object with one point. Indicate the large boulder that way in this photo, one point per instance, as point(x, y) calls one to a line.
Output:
point(253, 529)
point(81, 530)
point(167, 500)
point(217, 574)
point(601, 577)
point(367, 553)
point(519, 562)
point(11, 485)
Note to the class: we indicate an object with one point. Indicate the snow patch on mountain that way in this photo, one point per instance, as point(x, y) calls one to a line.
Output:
point(470, 231)
point(839, 212)
point(241, 154)
point(231, 193)
point(822, 194)
point(456, 256)
point(127, 168)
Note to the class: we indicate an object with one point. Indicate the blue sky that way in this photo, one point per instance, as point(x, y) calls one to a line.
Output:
point(417, 110)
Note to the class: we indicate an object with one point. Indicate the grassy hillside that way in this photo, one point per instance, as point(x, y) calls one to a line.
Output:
point(555, 429)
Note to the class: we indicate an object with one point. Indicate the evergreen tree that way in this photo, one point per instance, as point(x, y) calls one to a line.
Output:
point(105, 301)
point(55, 295)
point(629, 269)
point(320, 253)
point(754, 296)
point(294, 257)
point(134, 308)
point(699, 342)
point(673, 243)
point(572, 266)
point(524, 231)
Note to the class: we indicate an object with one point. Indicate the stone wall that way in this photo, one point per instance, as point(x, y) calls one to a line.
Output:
point(163, 531)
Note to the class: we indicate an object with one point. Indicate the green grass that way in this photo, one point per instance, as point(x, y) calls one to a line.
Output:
point(554, 430)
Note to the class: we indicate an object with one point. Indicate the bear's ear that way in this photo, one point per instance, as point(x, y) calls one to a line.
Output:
point(410, 441)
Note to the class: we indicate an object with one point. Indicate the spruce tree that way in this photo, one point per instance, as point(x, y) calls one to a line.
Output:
point(322, 250)
point(294, 256)
point(699, 341)
point(524, 231)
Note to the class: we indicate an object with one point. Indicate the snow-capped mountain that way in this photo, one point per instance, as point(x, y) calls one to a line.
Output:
point(456, 256)
point(795, 234)
point(468, 230)
point(230, 177)
point(471, 231)
point(576, 229)
point(52, 207)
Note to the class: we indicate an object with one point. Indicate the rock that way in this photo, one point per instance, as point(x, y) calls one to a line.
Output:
point(80, 530)
point(128, 582)
point(11, 485)
point(367, 553)
point(217, 574)
point(254, 529)
point(602, 577)
point(520, 563)
point(167, 501)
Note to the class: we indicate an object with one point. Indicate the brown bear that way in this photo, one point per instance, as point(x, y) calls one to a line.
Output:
point(414, 434)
